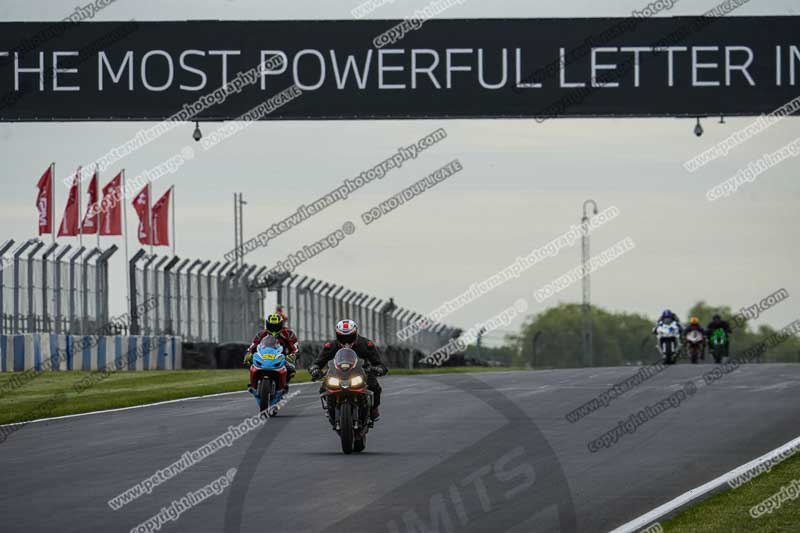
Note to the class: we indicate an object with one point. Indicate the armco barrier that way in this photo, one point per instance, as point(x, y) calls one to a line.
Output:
point(45, 351)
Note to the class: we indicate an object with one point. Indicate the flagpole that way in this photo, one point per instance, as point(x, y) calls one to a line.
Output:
point(173, 219)
point(80, 208)
point(52, 201)
point(150, 214)
point(98, 213)
point(124, 215)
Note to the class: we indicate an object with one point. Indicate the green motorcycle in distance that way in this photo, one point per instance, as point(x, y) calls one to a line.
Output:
point(718, 343)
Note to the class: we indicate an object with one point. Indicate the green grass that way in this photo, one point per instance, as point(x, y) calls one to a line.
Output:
point(53, 394)
point(729, 511)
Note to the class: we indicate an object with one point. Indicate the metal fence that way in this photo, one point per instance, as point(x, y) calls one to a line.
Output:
point(314, 306)
point(59, 289)
point(53, 288)
point(224, 302)
point(195, 299)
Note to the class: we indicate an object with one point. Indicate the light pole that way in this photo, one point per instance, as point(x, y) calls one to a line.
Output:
point(238, 227)
point(481, 333)
point(588, 356)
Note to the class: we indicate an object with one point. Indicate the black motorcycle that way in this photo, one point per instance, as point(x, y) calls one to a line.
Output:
point(347, 400)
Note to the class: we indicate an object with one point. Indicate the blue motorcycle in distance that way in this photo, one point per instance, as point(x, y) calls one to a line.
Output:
point(268, 375)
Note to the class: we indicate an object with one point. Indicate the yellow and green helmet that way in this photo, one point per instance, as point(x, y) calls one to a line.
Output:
point(274, 324)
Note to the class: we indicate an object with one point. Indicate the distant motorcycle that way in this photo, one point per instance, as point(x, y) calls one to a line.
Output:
point(347, 400)
point(718, 342)
point(668, 342)
point(695, 344)
point(268, 374)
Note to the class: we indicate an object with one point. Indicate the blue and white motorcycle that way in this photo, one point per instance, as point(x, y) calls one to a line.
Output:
point(268, 375)
point(668, 341)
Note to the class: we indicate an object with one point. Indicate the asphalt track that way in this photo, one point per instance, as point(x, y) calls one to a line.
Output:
point(482, 452)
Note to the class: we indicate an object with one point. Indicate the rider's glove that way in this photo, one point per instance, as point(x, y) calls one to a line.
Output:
point(248, 359)
point(381, 370)
point(315, 372)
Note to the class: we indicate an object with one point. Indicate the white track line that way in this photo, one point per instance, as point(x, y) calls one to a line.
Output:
point(135, 407)
point(648, 518)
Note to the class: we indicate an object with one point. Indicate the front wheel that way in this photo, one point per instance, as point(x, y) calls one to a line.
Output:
point(666, 350)
point(346, 427)
point(266, 391)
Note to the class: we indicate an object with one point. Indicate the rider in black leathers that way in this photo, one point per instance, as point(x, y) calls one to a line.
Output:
point(347, 337)
point(717, 323)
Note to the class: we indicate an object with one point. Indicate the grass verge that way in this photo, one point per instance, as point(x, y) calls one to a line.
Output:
point(730, 511)
point(50, 394)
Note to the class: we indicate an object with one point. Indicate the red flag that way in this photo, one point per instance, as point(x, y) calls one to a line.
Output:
point(161, 220)
point(142, 206)
point(110, 212)
point(69, 224)
point(44, 200)
point(89, 224)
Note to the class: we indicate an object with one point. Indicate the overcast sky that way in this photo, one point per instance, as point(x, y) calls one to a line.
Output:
point(523, 184)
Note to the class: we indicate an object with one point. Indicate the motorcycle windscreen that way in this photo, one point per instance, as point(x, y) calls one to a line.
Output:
point(345, 359)
point(667, 329)
point(270, 344)
point(694, 336)
point(719, 337)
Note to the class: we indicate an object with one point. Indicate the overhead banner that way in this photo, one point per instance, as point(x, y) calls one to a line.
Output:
point(394, 69)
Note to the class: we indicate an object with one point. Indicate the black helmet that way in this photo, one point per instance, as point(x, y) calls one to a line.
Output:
point(716, 318)
point(274, 324)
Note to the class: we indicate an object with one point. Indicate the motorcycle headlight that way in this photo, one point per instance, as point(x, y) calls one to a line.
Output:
point(356, 381)
point(333, 382)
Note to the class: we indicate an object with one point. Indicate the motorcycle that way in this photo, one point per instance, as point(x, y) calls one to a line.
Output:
point(718, 343)
point(268, 375)
point(347, 400)
point(695, 342)
point(668, 342)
